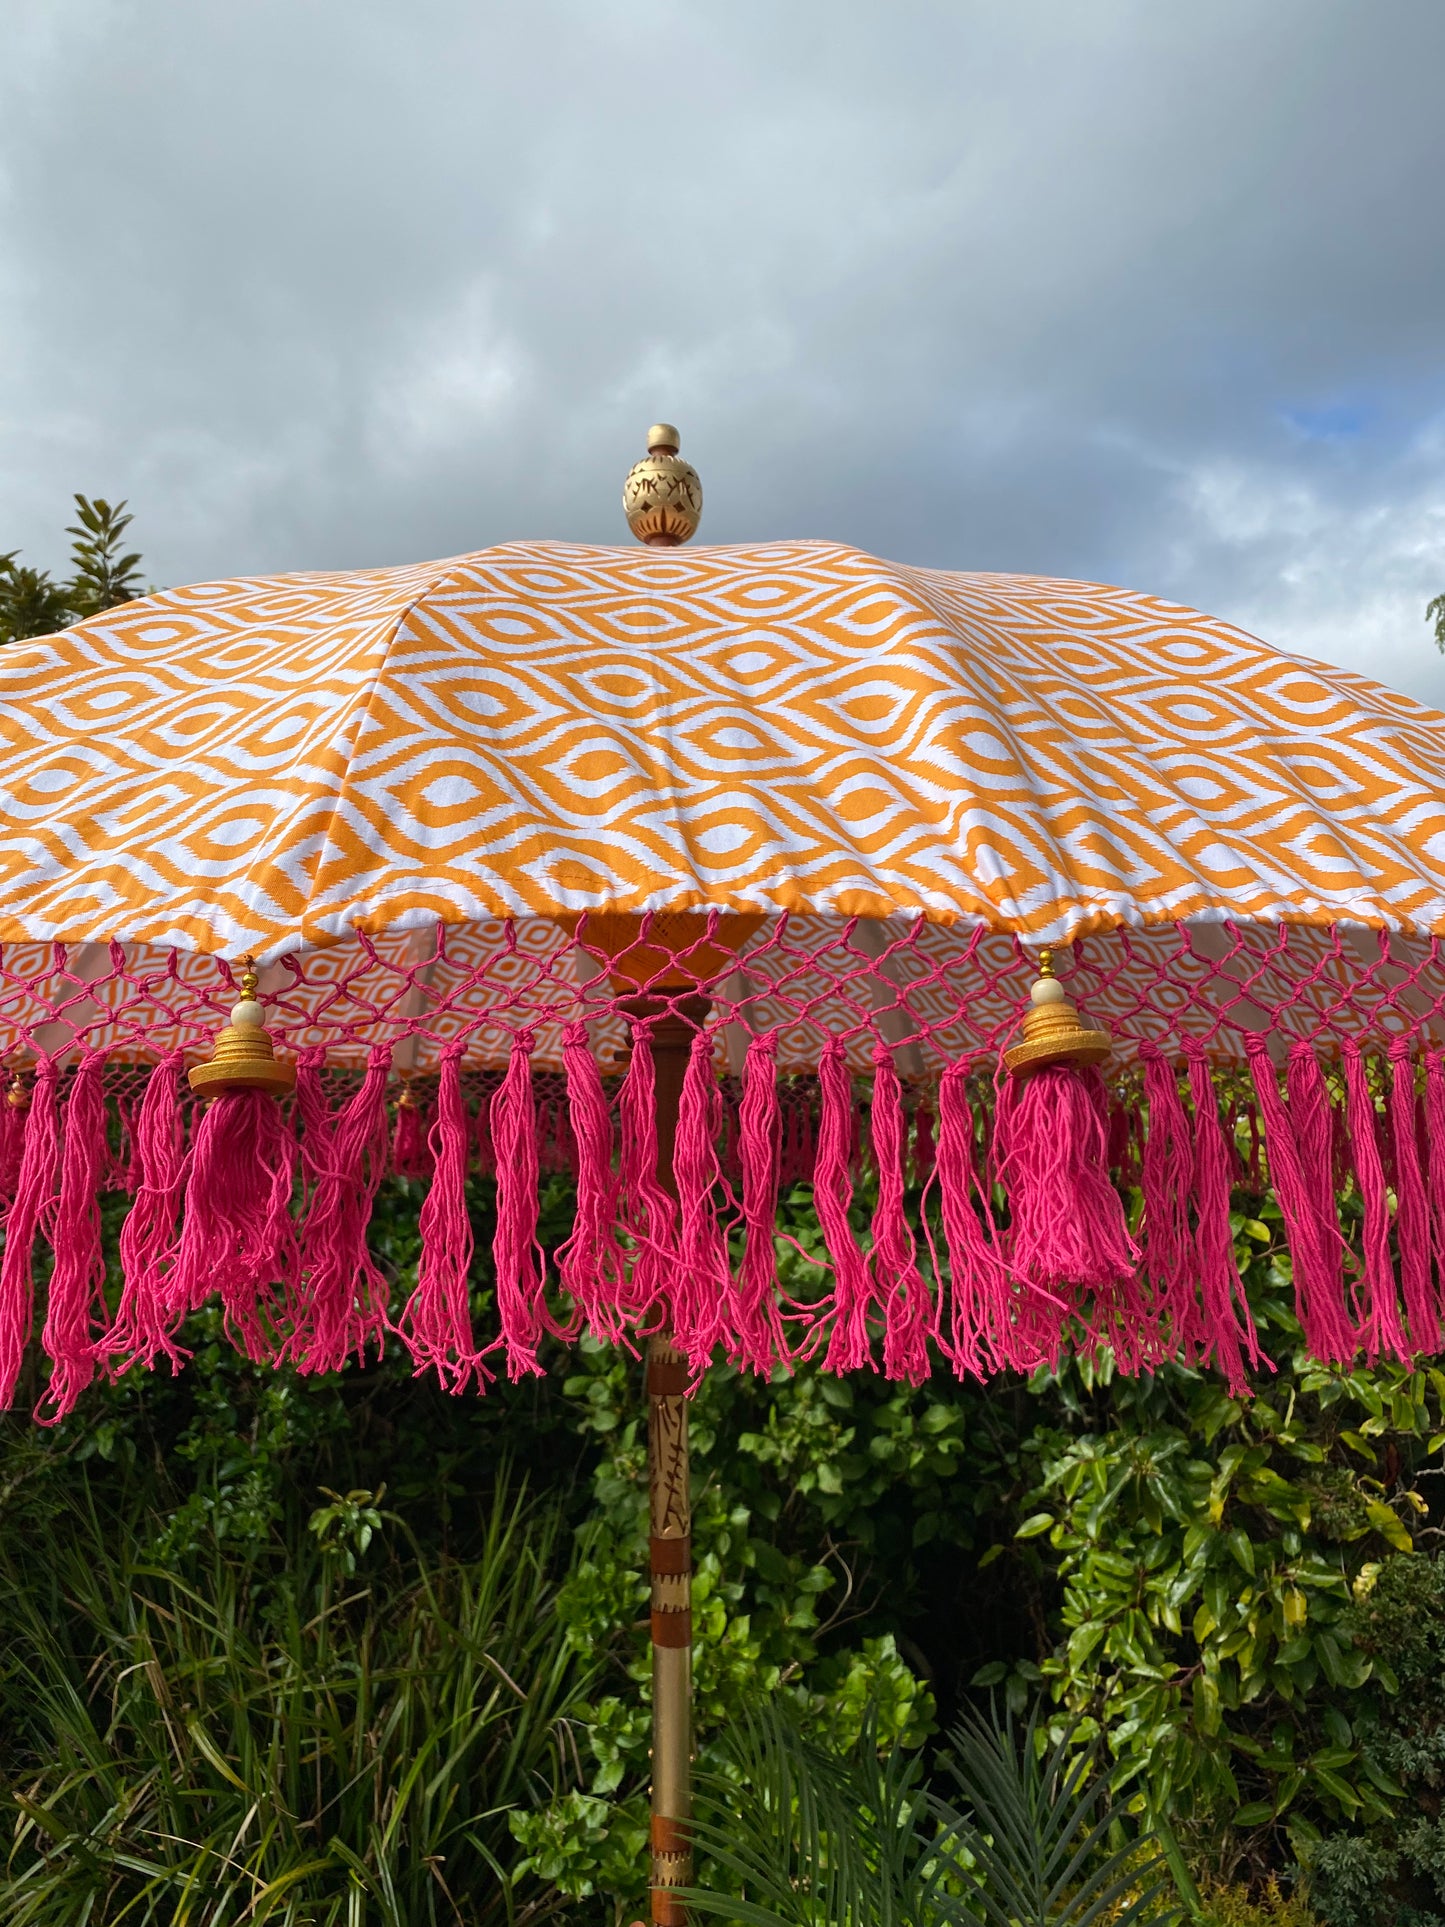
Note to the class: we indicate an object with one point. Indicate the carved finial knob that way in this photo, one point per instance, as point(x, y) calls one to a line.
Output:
point(662, 497)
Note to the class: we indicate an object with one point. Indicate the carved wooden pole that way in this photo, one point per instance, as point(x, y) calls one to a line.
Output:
point(670, 1536)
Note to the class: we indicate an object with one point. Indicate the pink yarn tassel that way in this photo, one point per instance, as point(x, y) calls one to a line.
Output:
point(12, 1142)
point(703, 1288)
point(1067, 1231)
point(77, 1282)
point(237, 1238)
point(409, 1155)
point(436, 1324)
point(757, 1320)
point(1166, 1180)
point(485, 1149)
point(1412, 1216)
point(908, 1310)
point(519, 1259)
point(34, 1202)
point(1315, 1246)
point(341, 1307)
point(1227, 1334)
point(591, 1264)
point(848, 1348)
point(648, 1213)
point(987, 1328)
point(1434, 1112)
point(1381, 1332)
point(145, 1321)
point(1313, 1119)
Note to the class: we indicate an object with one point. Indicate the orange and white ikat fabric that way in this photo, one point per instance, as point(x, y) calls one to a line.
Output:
point(263, 764)
point(272, 764)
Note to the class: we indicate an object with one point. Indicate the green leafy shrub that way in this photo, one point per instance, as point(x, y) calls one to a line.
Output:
point(333, 1733)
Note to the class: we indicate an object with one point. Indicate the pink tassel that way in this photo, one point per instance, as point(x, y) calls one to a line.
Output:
point(409, 1156)
point(1434, 1113)
point(591, 1263)
point(77, 1282)
point(908, 1311)
point(983, 1331)
point(848, 1349)
point(925, 1154)
point(1313, 1120)
point(237, 1238)
point(520, 1263)
point(648, 1213)
point(486, 1150)
point(1316, 1248)
point(1412, 1217)
point(341, 1308)
point(437, 1321)
point(703, 1288)
point(1067, 1229)
point(1228, 1332)
point(145, 1320)
point(12, 1143)
point(1381, 1332)
point(756, 1317)
point(34, 1202)
point(1166, 1180)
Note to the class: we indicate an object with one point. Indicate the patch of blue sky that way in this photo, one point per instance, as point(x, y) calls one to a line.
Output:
point(1337, 421)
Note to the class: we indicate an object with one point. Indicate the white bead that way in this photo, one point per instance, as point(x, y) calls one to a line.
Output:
point(1048, 990)
point(247, 1015)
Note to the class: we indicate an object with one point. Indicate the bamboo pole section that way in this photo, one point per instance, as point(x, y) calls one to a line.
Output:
point(670, 1518)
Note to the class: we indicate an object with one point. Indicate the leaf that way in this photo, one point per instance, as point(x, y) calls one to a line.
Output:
point(1388, 1524)
point(1034, 1525)
point(1254, 1814)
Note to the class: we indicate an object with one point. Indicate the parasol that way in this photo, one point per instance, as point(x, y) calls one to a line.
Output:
point(978, 904)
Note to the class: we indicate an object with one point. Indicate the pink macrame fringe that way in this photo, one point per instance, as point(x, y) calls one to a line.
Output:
point(1381, 1332)
point(436, 1324)
point(848, 1347)
point(648, 1213)
point(1412, 1215)
point(12, 1143)
point(757, 1321)
point(591, 1264)
point(342, 1304)
point(32, 1207)
point(238, 1238)
point(1225, 1335)
point(75, 1306)
point(909, 1319)
point(994, 1320)
point(519, 1261)
point(1165, 1182)
point(299, 1284)
point(702, 1286)
point(146, 1317)
point(1315, 1245)
point(1434, 1109)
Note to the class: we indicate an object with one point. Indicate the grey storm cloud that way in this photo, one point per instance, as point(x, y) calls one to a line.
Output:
point(1107, 288)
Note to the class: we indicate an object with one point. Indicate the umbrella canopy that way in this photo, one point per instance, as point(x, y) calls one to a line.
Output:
point(486, 822)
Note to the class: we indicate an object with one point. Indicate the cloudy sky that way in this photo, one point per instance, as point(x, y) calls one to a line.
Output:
point(1126, 289)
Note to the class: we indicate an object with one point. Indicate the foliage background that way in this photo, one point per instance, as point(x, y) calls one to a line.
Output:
point(1242, 1598)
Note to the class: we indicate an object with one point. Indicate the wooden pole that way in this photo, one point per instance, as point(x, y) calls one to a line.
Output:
point(670, 1516)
